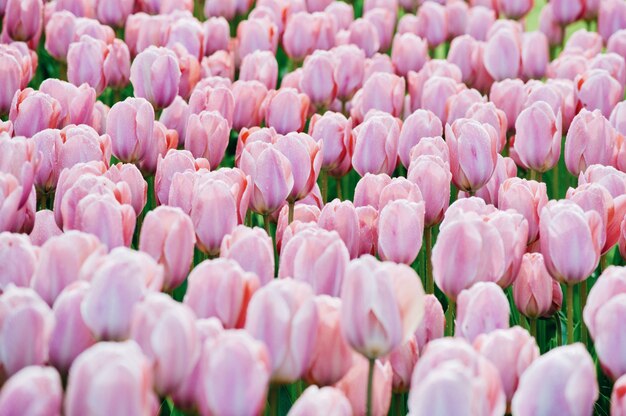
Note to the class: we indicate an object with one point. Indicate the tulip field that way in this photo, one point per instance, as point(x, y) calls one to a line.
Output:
point(312, 207)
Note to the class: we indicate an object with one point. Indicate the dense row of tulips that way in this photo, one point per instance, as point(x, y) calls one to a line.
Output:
point(223, 208)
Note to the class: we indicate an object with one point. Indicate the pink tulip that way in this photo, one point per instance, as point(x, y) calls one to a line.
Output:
point(252, 248)
point(25, 326)
point(485, 300)
point(173, 162)
point(588, 86)
point(256, 34)
point(432, 23)
point(509, 96)
point(77, 104)
point(216, 35)
point(538, 137)
point(399, 189)
point(85, 60)
point(584, 43)
point(325, 400)
point(433, 323)
point(422, 123)
point(277, 102)
point(376, 144)
point(368, 189)
point(409, 53)
point(131, 125)
point(479, 21)
point(393, 287)
point(590, 140)
point(299, 36)
point(450, 366)
point(461, 54)
point(617, 43)
point(368, 230)
point(221, 276)
point(607, 322)
point(612, 284)
point(610, 178)
point(335, 132)
point(290, 337)
point(556, 371)
point(534, 54)
point(124, 276)
point(526, 197)
point(34, 390)
point(384, 21)
point(502, 56)
point(332, 356)
point(155, 75)
point(505, 169)
point(341, 216)
point(431, 146)
point(260, 66)
point(12, 71)
point(220, 64)
point(207, 136)
point(549, 26)
point(349, 67)
point(566, 12)
point(354, 386)
point(471, 165)
point(234, 356)
point(113, 13)
point(384, 92)
point(116, 65)
point(611, 18)
point(187, 34)
point(400, 230)
point(363, 33)
point(515, 9)
point(33, 111)
point(432, 175)
point(618, 407)
point(108, 370)
point(437, 93)
point(50, 277)
point(224, 9)
point(23, 20)
point(403, 360)
point(45, 227)
point(611, 62)
point(318, 81)
point(431, 69)
point(175, 117)
point(19, 260)
point(305, 156)
point(584, 235)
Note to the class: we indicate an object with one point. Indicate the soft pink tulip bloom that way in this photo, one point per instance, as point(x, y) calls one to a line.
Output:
point(590, 140)
point(403, 360)
point(18, 260)
point(400, 230)
point(334, 130)
point(124, 276)
point(131, 176)
point(433, 323)
point(33, 111)
point(431, 69)
point(167, 234)
point(13, 75)
point(515, 9)
point(422, 123)
point(431, 146)
point(617, 43)
point(472, 148)
point(535, 55)
point(283, 315)
point(596, 89)
point(512, 351)
point(368, 230)
point(502, 56)
point(252, 248)
point(554, 373)
point(509, 96)
point(354, 386)
point(481, 309)
point(549, 26)
point(437, 93)
point(379, 63)
point(111, 369)
point(33, 390)
point(479, 21)
point(456, 18)
point(341, 216)
point(610, 178)
point(163, 140)
point(115, 66)
point(25, 326)
point(382, 305)
point(505, 169)
point(457, 105)
point(376, 148)
point(304, 216)
point(368, 189)
point(256, 34)
point(318, 81)
point(155, 75)
point(349, 70)
point(432, 175)
point(384, 92)
point(261, 160)
point(286, 110)
point(399, 189)
point(526, 197)
point(332, 356)
point(305, 156)
point(175, 117)
point(207, 136)
point(260, 66)
point(300, 35)
point(611, 18)
point(611, 284)
point(532, 289)
point(584, 236)
point(23, 20)
point(584, 43)
point(461, 54)
point(232, 357)
point(325, 400)
point(226, 9)
point(432, 23)
point(409, 53)
point(513, 229)
point(216, 33)
point(317, 257)
point(467, 236)
point(130, 124)
point(113, 13)
point(85, 60)
point(60, 260)
point(486, 112)
point(538, 137)
point(565, 12)
point(611, 209)
point(363, 33)
point(611, 62)
point(77, 104)
point(80, 8)
point(567, 67)
point(618, 405)
point(221, 276)
point(384, 20)
point(17, 209)
point(45, 227)
point(450, 366)
point(158, 314)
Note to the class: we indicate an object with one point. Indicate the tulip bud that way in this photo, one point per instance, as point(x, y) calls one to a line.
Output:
point(485, 300)
point(589, 141)
point(335, 132)
point(380, 131)
point(420, 124)
point(130, 124)
point(286, 110)
point(400, 230)
point(354, 386)
point(85, 60)
point(155, 75)
point(18, 258)
point(502, 56)
point(23, 20)
point(33, 111)
point(432, 24)
point(325, 400)
point(252, 249)
point(256, 34)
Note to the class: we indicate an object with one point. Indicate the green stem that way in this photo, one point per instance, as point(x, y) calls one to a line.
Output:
point(450, 317)
point(533, 327)
point(266, 224)
point(604, 262)
point(570, 313)
point(274, 389)
point(583, 302)
point(249, 218)
point(338, 188)
point(292, 207)
point(532, 175)
point(430, 285)
point(370, 386)
point(559, 332)
point(43, 199)
point(324, 185)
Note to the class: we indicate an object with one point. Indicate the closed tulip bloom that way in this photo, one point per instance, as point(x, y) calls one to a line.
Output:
point(432, 68)
point(611, 18)
point(409, 53)
point(509, 96)
point(437, 93)
point(33, 111)
point(256, 34)
point(538, 137)
point(163, 140)
point(611, 62)
point(33, 390)
point(399, 189)
point(123, 276)
point(216, 35)
point(349, 70)
point(433, 323)
point(341, 216)
point(584, 236)
point(588, 92)
point(325, 400)
point(299, 36)
point(479, 21)
point(472, 148)
point(368, 189)
point(116, 65)
point(332, 356)
point(45, 227)
point(590, 140)
point(131, 176)
point(534, 54)
point(462, 55)
point(167, 234)
point(173, 162)
point(364, 35)
point(283, 315)
point(432, 175)
point(400, 230)
point(51, 275)
point(286, 110)
point(502, 56)
point(618, 405)
point(512, 351)
point(317, 257)
point(382, 305)
point(224, 9)
point(25, 326)
point(549, 26)
point(175, 117)
point(113, 13)
point(610, 178)
point(305, 157)
point(155, 75)
point(384, 92)
point(617, 43)
point(23, 20)
point(558, 370)
point(431, 146)
point(612, 284)
point(505, 169)
point(354, 386)
point(566, 12)
point(260, 66)
point(402, 361)
point(515, 9)
point(252, 249)
point(18, 259)
point(207, 136)
point(458, 104)
point(318, 81)
point(513, 229)
point(526, 197)
point(111, 369)
point(221, 276)
point(376, 148)
point(485, 300)
point(334, 130)
point(608, 322)
point(130, 124)
point(618, 118)
point(420, 124)
point(12, 74)
point(432, 23)
point(77, 104)
point(452, 366)
point(85, 60)
point(384, 21)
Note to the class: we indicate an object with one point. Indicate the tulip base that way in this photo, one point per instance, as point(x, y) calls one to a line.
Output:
point(430, 284)
point(292, 207)
point(324, 185)
point(370, 386)
point(450, 317)
point(533, 328)
point(570, 313)
point(338, 190)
